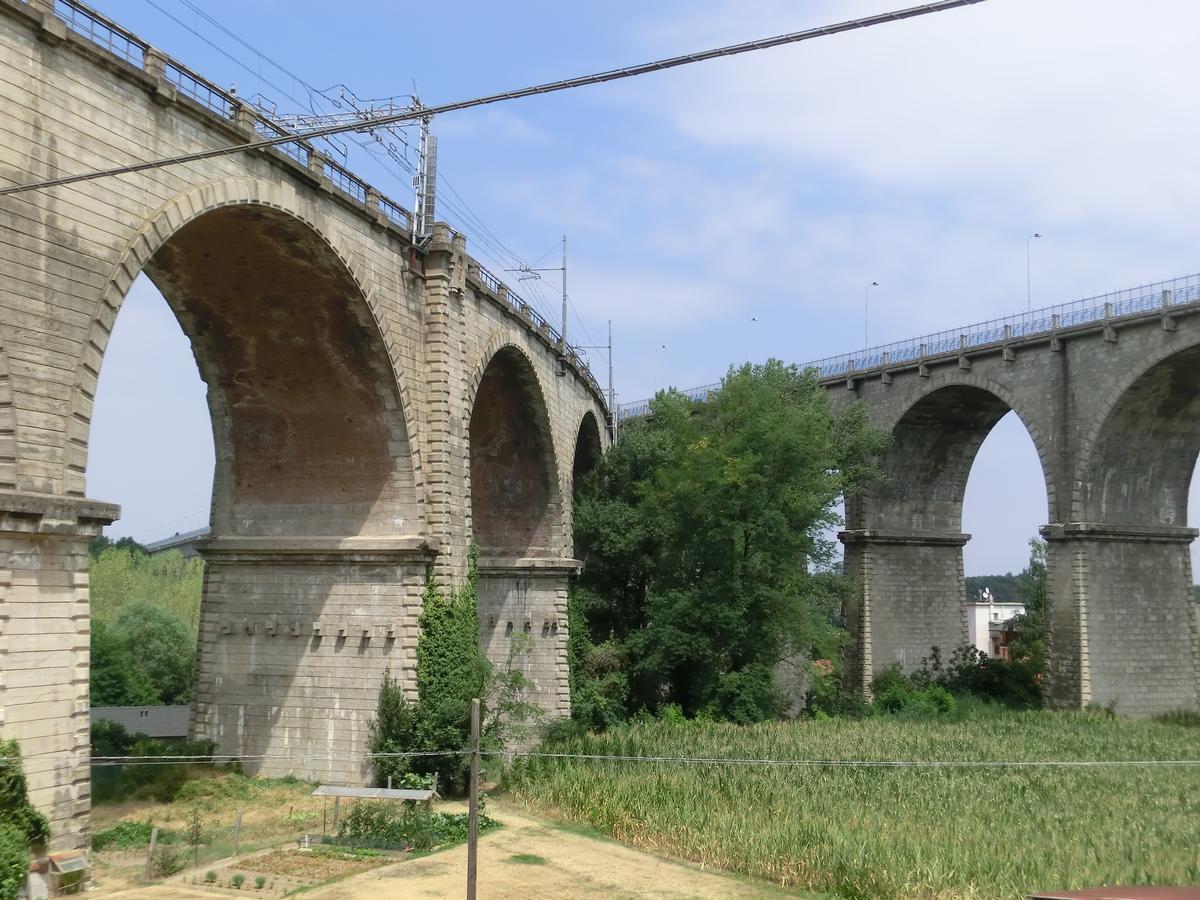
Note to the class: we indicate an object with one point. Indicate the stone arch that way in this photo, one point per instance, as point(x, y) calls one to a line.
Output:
point(937, 433)
point(515, 487)
point(308, 406)
point(1140, 453)
point(588, 448)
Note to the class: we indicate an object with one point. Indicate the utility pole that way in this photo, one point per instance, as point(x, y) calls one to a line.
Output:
point(562, 346)
point(473, 807)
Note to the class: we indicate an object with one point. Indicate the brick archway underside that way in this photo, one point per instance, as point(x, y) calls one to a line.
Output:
point(310, 437)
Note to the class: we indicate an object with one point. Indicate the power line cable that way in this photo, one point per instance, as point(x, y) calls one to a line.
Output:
point(533, 90)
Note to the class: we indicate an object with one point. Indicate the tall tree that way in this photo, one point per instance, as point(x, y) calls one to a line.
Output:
point(701, 534)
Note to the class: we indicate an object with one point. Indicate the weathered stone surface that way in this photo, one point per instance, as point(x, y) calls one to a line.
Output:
point(348, 374)
point(1116, 425)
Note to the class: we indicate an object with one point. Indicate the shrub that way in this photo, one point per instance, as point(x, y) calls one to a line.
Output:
point(385, 823)
point(124, 835)
point(210, 877)
point(260, 881)
point(910, 698)
point(15, 809)
point(167, 860)
point(238, 880)
point(1013, 683)
point(14, 861)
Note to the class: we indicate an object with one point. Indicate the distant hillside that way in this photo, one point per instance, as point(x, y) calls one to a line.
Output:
point(1005, 588)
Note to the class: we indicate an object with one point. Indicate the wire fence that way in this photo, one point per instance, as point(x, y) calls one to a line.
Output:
point(1049, 320)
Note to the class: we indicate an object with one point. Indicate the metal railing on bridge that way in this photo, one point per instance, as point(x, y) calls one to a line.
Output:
point(1038, 322)
point(124, 44)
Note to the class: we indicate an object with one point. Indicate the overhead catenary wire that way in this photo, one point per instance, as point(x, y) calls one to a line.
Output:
point(502, 96)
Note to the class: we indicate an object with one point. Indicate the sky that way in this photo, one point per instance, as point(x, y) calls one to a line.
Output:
point(729, 210)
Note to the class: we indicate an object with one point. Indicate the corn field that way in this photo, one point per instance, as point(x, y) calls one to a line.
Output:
point(904, 831)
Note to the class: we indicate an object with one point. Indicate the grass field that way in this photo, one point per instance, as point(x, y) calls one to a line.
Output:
point(896, 832)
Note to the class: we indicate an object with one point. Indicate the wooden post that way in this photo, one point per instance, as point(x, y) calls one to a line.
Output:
point(150, 852)
point(337, 805)
point(473, 808)
point(237, 833)
point(389, 782)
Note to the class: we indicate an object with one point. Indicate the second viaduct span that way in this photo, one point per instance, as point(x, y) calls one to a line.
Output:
point(1109, 391)
point(378, 403)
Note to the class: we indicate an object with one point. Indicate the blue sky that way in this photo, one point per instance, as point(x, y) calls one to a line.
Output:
point(770, 187)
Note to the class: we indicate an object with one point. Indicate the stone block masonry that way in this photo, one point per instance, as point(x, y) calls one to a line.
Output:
point(1111, 407)
point(344, 367)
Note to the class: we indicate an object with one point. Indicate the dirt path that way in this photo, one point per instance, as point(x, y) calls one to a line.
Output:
point(527, 859)
point(530, 859)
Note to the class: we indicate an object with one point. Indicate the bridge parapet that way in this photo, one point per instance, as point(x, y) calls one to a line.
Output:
point(1110, 310)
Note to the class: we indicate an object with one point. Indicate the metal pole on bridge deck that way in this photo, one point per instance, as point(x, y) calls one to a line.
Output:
point(563, 348)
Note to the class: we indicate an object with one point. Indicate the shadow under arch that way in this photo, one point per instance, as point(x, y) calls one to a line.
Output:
point(1140, 457)
point(588, 449)
point(516, 503)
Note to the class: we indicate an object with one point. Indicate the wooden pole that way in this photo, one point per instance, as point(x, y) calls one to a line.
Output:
point(473, 808)
point(150, 851)
point(337, 804)
point(237, 833)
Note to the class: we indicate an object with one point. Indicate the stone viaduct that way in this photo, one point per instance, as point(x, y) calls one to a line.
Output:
point(377, 404)
point(1109, 391)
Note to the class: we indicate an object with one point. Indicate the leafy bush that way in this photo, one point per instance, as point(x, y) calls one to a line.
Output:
point(260, 882)
point(828, 698)
point(385, 823)
point(14, 860)
point(238, 880)
point(128, 835)
point(910, 698)
point(15, 809)
point(210, 877)
point(1013, 683)
point(167, 860)
point(118, 782)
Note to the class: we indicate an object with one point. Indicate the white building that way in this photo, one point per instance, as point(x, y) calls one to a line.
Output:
point(987, 622)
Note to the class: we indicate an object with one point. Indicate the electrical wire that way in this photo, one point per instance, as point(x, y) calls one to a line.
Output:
point(503, 96)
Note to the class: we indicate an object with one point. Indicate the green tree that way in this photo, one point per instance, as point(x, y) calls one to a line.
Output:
point(1031, 628)
point(158, 650)
point(701, 535)
point(113, 678)
point(123, 572)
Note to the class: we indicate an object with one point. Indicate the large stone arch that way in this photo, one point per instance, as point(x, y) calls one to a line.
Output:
point(158, 231)
point(937, 432)
point(319, 553)
point(515, 479)
point(904, 540)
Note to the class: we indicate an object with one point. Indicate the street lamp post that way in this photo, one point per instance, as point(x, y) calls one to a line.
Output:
point(1028, 276)
point(867, 313)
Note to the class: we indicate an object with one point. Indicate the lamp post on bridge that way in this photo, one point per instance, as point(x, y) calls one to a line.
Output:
point(1028, 276)
point(867, 313)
